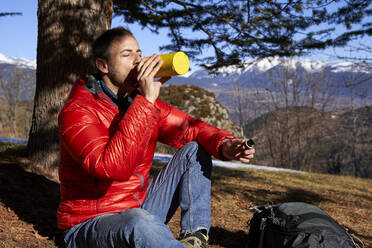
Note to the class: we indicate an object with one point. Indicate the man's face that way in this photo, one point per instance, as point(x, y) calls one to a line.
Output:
point(124, 55)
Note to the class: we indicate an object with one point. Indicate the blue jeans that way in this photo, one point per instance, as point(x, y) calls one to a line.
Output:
point(184, 181)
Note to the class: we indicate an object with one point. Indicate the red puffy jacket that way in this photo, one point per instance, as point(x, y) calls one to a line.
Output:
point(106, 154)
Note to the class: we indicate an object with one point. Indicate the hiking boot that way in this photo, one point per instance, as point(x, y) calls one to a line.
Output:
point(194, 240)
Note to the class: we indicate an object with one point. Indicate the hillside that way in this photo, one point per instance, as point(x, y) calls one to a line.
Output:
point(339, 142)
point(22, 121)
point(28, 201)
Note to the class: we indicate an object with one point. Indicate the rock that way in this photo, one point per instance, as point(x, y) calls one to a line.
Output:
point(200, 104)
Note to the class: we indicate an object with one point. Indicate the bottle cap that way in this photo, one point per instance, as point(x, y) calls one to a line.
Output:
point(174, 64)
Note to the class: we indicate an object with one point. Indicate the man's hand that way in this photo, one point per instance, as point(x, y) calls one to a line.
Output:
point(146, 70)
point(236, 150)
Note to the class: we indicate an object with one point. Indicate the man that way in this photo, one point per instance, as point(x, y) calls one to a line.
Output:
point(108, 131)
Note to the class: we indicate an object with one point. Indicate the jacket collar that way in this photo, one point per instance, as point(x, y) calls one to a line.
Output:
point(95, 85)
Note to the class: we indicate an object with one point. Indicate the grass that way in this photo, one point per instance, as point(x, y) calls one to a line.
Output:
point(28, 201)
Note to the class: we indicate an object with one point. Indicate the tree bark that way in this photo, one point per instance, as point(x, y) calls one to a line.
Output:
point(66, 29)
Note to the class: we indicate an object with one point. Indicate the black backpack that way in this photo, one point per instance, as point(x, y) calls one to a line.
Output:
point(296, 225)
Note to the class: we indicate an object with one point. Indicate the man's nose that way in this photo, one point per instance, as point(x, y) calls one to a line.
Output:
point(137, 59)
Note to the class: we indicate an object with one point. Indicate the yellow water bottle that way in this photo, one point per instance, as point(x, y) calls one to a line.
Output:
point(174, 64)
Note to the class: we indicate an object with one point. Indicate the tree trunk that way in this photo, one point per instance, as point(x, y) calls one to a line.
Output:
point(66, 28)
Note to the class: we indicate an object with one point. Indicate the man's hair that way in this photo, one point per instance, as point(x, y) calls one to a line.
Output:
point(100, 47)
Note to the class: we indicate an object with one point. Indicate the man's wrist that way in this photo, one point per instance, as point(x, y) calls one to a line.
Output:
point(220, 150)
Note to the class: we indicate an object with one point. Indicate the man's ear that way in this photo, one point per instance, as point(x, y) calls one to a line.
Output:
point(102, 65)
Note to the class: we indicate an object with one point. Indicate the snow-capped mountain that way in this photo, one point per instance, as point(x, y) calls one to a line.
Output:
point(7, 73)
point(21, 62)
point(257, 73)
point(257, 68)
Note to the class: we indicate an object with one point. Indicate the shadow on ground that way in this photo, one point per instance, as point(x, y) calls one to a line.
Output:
point(226, 238)
point(33, 198)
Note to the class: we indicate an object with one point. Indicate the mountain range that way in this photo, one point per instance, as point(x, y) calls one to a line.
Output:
point(20, 62)
point(255, 74)
point(232, 74)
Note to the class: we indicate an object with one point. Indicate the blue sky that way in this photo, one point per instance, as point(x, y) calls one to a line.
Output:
point(18, 34)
